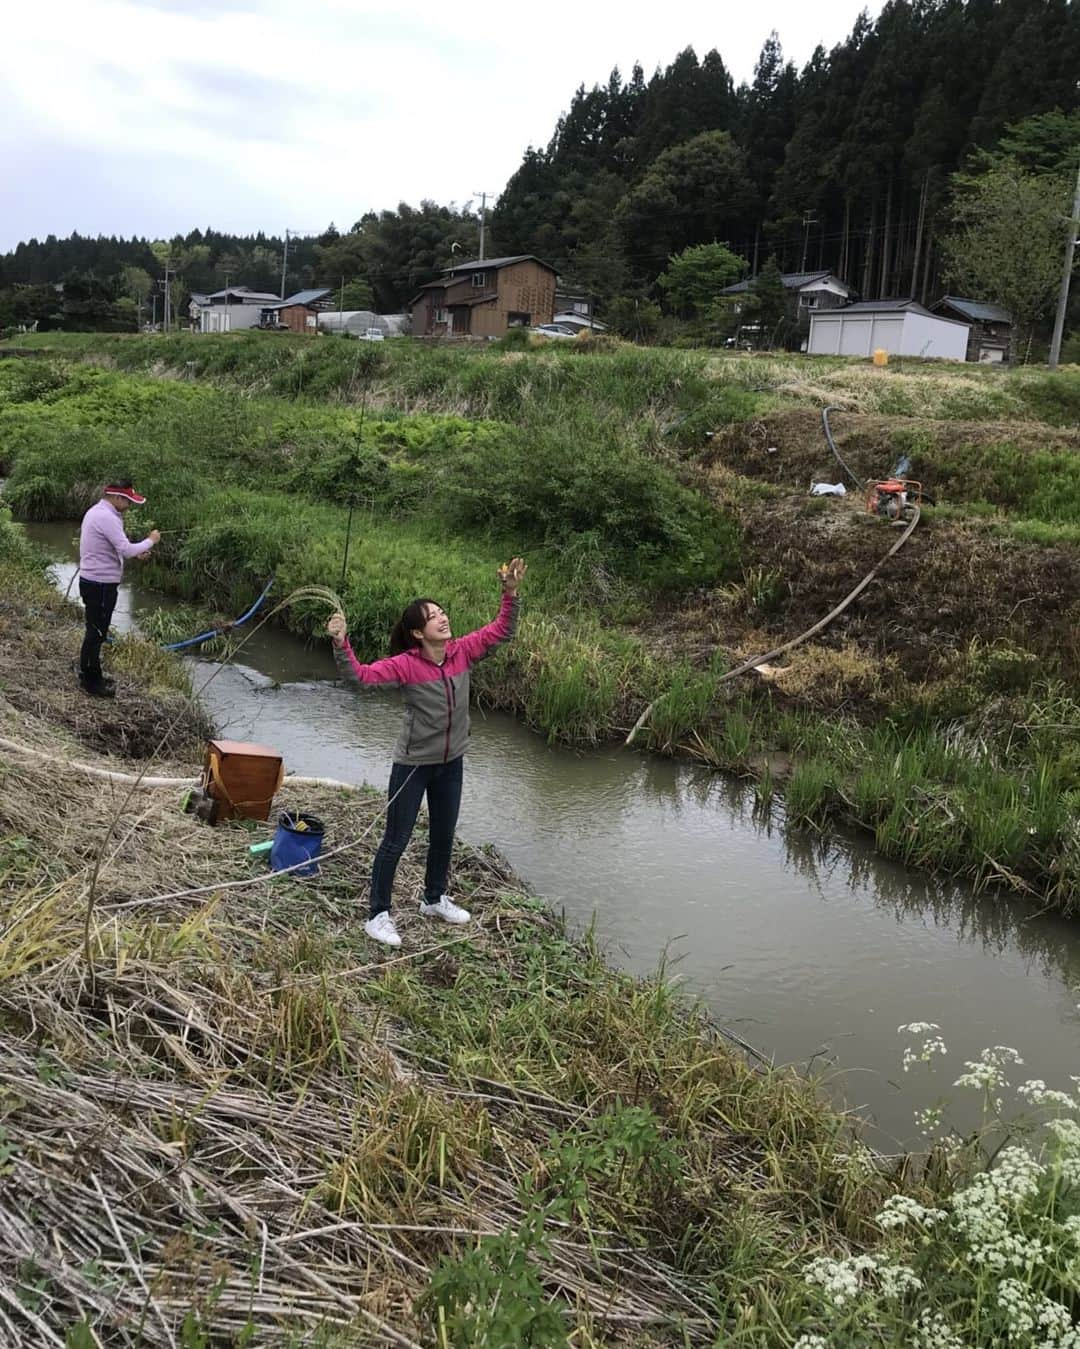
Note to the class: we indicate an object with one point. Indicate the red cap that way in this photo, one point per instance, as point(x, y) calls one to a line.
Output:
point(126, 491)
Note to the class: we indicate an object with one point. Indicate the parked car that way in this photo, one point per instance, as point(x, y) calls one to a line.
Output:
point(373, 335)
point(553, 330)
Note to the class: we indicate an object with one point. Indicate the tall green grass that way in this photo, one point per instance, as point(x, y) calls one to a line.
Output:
point(997, 808)
point(537, 484)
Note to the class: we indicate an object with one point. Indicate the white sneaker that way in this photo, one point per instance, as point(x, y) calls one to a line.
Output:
point(381, 928)
point(445, 909)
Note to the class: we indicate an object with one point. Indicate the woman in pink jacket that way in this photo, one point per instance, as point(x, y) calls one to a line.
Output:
point(432, 669)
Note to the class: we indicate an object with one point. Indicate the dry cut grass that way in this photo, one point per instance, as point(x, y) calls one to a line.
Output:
point(249, 1124)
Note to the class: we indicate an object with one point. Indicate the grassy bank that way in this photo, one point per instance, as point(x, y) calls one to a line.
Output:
point(244, 1125)
point(661, 497)
point(490, 1141)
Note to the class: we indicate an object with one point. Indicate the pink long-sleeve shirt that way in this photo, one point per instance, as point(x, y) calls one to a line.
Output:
point(436, 725)
point(103, 545)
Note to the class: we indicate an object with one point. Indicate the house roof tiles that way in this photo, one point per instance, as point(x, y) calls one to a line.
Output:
point(976, 310)
point(791, 280)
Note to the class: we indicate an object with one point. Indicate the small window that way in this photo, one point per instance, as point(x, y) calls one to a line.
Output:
point(518, 320)
point(479, 280)
point(440, 315)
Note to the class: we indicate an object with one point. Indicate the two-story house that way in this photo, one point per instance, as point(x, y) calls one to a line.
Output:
point(485, 298)
point(815, 290)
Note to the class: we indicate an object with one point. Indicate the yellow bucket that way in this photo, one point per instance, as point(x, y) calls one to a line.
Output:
point(881, 356)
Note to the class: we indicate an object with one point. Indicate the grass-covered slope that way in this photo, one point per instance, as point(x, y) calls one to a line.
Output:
point(662, 499)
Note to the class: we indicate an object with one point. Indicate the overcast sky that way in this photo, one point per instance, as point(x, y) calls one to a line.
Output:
point(153, 117)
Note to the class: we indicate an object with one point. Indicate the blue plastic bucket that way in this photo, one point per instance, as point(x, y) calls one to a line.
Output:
point(292, 844)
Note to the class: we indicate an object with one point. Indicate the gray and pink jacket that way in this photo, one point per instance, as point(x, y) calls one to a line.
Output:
point(436, 726)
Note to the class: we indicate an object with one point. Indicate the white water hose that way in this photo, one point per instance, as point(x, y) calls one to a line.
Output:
point(131, 780)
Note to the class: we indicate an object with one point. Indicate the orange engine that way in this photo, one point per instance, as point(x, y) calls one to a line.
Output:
point(893, 497)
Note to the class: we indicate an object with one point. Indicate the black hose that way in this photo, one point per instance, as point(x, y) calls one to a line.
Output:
point(832, 446)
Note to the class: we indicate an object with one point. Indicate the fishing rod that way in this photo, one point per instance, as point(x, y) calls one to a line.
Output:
point(352, 499)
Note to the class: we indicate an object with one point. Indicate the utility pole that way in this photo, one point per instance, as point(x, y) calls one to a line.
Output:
point(809, 218)
point(225, 329)
point(168, 267)
point(483, 216)
point(285, 259)
point(1066, 278)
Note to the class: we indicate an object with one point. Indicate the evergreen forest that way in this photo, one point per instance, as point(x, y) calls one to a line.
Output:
point(875, 161)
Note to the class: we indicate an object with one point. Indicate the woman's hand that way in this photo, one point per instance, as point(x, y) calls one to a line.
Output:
point(512, 573)
point(336, 628)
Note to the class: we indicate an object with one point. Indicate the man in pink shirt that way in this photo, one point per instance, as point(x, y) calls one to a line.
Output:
point(103, 546)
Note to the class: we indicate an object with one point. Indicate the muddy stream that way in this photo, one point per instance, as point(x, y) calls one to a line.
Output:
point(812, 951)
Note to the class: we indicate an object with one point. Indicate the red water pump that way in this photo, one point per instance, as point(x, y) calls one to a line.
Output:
point(894, 498)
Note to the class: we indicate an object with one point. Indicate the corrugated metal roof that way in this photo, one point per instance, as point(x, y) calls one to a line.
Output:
point(479, 264)
point(301, 297)
point(884, 307)
point(247, 296)
point(976, 310)
point(309, 296)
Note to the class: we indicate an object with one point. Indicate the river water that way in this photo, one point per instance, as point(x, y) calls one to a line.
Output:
point(813, 951)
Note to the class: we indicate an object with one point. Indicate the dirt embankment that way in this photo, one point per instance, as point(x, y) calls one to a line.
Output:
point(871, 445)
point(39, 665)
point(953, 582)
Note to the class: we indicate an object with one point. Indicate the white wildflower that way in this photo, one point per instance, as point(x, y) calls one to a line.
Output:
point(932, 1331)
point(1036, 1092)
point(1067, 1132)
point(929, 1120)
point(930, 1046)
point(1071, 1226)
point(900, 1209)
point(1016, 1175)
point(1056, 1325)
point(810, 1342)
point(988, 1071)
point(917, 1028)
point(840, 1280)
point(1018, 1304)
point(1067, 1149)
point(981, 1213)
point(896, 1280)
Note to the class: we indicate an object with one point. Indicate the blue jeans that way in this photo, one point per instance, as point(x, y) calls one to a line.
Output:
point(442, 783)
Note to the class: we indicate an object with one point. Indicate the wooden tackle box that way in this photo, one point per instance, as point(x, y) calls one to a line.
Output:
point(243, 779)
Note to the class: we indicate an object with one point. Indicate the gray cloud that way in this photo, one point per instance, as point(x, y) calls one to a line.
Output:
point(122, 194)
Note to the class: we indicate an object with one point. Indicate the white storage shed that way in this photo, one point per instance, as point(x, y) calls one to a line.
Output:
point(900, 327)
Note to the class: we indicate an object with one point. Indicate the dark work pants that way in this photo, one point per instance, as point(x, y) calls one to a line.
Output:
point(442, 783)
point(99, 597)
